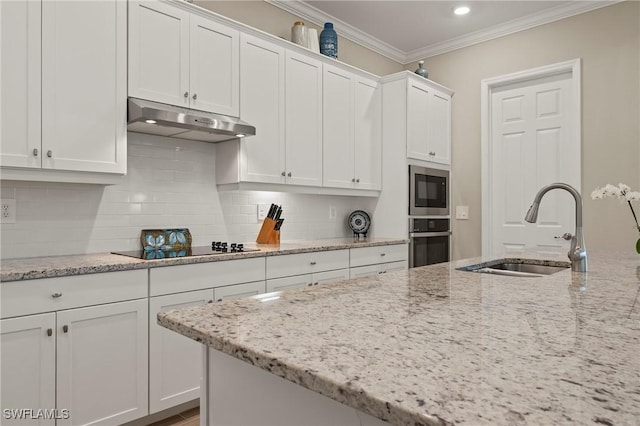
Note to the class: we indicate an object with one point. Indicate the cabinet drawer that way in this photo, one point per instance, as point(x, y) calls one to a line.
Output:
point(287, 283)
point(53, 294)
point(306, 263)
point(378, 254)
point(238, 291)
point(174, 279)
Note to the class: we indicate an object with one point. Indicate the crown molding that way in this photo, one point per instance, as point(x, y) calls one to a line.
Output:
point(347, 31)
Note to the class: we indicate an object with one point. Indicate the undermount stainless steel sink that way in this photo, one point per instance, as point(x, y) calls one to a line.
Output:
point(518, 267)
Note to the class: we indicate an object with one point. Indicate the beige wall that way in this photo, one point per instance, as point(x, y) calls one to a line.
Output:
point(278, 22)
point(608, 42)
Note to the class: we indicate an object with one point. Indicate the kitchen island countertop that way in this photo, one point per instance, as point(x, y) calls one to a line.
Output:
point(435, 345)
point(60, 266)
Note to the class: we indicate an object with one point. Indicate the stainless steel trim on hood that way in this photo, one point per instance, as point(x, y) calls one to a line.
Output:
point(167, 120)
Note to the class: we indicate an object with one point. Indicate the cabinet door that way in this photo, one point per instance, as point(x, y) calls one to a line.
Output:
point(175, 362)
point(262, 77)
point(303, 120)
point(287, 283)
point(439, 132)
point(20, 37)
point(158, 52)
point(102, 367)
point(84, 77)
point(417, 121)
point(364, 271)
point(28, 368)
point(239, 290)
point(367, 121)
point(337, 128)
point(213, 67)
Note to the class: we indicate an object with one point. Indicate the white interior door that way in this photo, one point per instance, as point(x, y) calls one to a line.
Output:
point(534, 141)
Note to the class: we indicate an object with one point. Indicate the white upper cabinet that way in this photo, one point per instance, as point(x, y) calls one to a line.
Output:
point(262, 104)
point(303, 127)
point(428, 121)
point(351, 130)
point(64, 86)
point(182, 59)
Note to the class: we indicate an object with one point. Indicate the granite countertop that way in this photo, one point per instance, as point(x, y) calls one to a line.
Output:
point(435, 345)
point(60, 266)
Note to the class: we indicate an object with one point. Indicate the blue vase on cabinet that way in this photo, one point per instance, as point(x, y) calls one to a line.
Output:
point(329, 41)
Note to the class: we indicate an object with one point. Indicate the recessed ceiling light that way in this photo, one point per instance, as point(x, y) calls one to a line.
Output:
point(462, 10)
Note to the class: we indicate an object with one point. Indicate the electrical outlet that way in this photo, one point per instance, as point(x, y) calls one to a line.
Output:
point(8, 211)
point(263, 209)
point(332, 212)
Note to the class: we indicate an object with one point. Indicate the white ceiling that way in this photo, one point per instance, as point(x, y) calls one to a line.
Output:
point(407, 31)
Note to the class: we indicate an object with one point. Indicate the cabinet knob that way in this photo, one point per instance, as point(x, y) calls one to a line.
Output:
point(432, 153)
point(316, 283)
point(283, 173)
point(357, 180)
point(65, 328)
point(195, 96)
point(56, 295)
point(309, 285)
point(313, 262)
point(220, 299)
point(383, 254)
point(210, 301)
point(186, 94)
point(49, 153)
point(49, 332)
point(35, 152)
point(289, 174)
point(353, 180)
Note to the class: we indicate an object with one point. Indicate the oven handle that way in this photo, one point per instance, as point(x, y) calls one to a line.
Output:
point(429, 234)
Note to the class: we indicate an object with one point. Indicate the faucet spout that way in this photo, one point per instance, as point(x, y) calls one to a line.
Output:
point(577, 250)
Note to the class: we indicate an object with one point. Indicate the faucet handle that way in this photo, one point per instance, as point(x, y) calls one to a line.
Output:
point(566, 236)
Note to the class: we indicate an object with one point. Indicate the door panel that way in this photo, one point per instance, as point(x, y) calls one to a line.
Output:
point(533, 145)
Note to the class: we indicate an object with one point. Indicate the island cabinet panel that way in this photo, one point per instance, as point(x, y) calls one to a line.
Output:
point(182, 59)
point(102, 363)
point(174, 279)
point(28, 367)
point(54, 294)
point(306, 263)
point(241, 394)
point(175, 362)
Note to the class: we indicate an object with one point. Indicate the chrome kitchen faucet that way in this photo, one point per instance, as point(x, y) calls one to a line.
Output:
point(577, 250)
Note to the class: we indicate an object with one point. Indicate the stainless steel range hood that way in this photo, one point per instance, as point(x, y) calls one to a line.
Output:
point(155, 118)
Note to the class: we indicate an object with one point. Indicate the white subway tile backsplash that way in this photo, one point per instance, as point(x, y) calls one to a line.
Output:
point(169, 183)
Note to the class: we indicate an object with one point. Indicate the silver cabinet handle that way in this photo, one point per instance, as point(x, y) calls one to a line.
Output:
point(186, 94)
point(353, 180)
point(35, 152)
point(383, 254)
point(309, 285)
point(289, 174)
point(49, 332)
point(56, 295)
point(316, 283)
point(566, 236)
point(220, 300)
point(195, 96)
point(313, 263)
point(283, 174)
point(49, 153)
point(357, 180)
point(432, 153)
point(65, 328)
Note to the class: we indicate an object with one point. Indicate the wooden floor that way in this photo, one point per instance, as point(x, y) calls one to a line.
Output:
point(187, 418)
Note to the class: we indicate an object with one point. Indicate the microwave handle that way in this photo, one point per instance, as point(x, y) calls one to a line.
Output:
point(429, 234)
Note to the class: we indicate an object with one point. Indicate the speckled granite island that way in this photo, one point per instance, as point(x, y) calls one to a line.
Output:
point(430, 346)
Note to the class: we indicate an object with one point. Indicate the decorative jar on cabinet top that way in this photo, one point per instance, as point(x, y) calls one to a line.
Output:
point(299, 33)
point(329, 41)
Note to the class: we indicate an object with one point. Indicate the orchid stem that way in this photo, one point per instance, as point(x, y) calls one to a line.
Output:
point(634, 215)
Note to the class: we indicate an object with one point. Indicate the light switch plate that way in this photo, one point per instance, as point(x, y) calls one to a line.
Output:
point(462, 212)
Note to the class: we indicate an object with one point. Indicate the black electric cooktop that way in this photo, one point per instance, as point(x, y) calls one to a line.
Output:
point(217, 247)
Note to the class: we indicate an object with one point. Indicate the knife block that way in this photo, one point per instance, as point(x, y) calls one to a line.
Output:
point(267, 234)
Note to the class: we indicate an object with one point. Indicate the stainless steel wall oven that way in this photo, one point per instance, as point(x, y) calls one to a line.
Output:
point(429, 240)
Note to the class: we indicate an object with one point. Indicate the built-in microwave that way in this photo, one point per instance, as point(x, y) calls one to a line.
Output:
point(428, 191)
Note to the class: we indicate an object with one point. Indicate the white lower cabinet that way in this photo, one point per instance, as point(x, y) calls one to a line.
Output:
point(76, 346)
point(175, 362)
point(28, 365)
point(306, 269)
point(366, 261)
